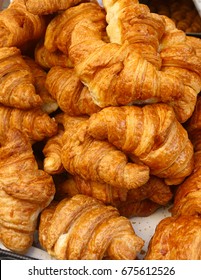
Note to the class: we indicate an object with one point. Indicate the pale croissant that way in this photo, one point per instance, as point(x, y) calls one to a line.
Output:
point(150, 134)
point(98, 160)
point(24, 191)
point(82, 228)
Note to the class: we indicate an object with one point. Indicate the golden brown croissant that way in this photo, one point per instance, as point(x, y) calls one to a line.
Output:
point(195, 43)
point(52, 153)
point(18, 26)
point(49, 6)
point(17, 83)
point(127, 205)
point(116, 76)
point(72, 185)
point(58, 33)
point(180, 58)
point(176, 238)
point(35, 123)
point(188, 195)
point(49, 104)
point(72, 96)
point(150, 134)
point(132, 22)
point(187, 200)
point(84, 228)
point(98, 160)
point(155, 190)
point(193, 126)
point(142, 208)
point(47, 59)
point(24, 191)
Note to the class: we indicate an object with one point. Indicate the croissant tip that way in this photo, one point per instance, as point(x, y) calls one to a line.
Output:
point(52, 164)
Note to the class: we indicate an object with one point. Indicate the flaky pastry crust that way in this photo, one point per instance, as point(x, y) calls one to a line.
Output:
point(82, 228)
point(35, 123)
point(49, 6)
point(49, 104)
point(18, 26)
point(98, 160)
point(16, 81)
point(150, 134)
point(70, 93)
point(176, 238)
point(24, 191)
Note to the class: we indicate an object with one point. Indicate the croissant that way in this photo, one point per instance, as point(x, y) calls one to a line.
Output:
point(52, 153)
point(116, 76)
point(186, 97)
point(82, 228)
point(127, 205)
point(72, 185)
point(193, 126)
point(133, 22)
point(176, 238)
point(35, 123)
point(188, 195)
point(24, 190)
point(17, 83)
point(71, 95)
point(150, 134)
point(142, 208)
point(155, 190)
point(98, 160)
point(180, 57)
point(49, 104)
point(47, 59)
point(49, 6)
point(18, 26)
point(195, 43)
point(58, 33)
